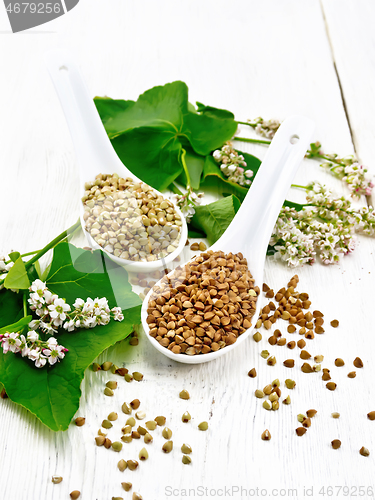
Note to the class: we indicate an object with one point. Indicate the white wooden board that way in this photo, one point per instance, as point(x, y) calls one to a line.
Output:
point(352, 38)
point(271, 59)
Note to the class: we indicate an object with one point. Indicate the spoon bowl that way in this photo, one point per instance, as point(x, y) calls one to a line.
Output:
point(251, 228)
point(93, 149)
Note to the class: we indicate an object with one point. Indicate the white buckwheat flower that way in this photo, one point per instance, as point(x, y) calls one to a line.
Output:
point(117, 314)
point(32, 336)
point(38, 287)
point(34, 324)
point(58, 311)
point(217, 155)
point(11, 342)
point(265, 128)
point(79, 303)
point(232, 165)
point(48, 327)
point(69, 325)
point(54, 353)
point(90, 322)
point(34, 354)
point(40, 361)
point(187, 203)
point(25, 349)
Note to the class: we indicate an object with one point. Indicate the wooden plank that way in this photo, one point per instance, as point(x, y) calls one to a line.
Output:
point(255, 59)
point(350, 29)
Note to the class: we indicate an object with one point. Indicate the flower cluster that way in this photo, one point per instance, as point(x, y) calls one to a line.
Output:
point(290, 242)
point(348, 169)
point(354, 175)
point(54, 313)
point(324, 228)
point(232, 165)
point(32, 347)
point(265, 128)
point(187, 203)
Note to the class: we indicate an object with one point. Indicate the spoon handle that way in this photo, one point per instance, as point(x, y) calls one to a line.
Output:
point(92, 146)
point(251, 228)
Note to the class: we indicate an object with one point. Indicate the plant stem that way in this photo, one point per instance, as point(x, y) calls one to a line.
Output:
point(298, 186)
point(254, 141)
point(331, 160)
point(50, 245)
point(309, 153)
point(53, 243)
point(185, 169)
point(24, 306)
point(24, 255)
point(253, 125)
point(29, 253)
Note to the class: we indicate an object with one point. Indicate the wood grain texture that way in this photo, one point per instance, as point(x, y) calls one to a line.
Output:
point(271, 59)
point(352, 38)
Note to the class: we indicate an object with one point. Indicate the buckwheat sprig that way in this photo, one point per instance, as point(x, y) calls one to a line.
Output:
point(232, 165)
point(264, 128)
point(54, 313)
point(325, 228)
point(33, 347)
point(187, 202)
point(348, 169)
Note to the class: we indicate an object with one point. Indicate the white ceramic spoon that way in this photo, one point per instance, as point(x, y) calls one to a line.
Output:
point(251, 228)
point(93, 149)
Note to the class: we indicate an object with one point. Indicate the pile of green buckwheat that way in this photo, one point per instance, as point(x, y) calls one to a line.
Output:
point(130, 220)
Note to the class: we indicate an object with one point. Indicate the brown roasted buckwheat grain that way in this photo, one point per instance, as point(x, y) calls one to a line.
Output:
point(205, 305)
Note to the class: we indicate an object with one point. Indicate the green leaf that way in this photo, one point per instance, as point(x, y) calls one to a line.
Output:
point(45, 272)
point(16, 327)
point(152, 154)
point(80, 273)
point(194, 233)
point(213, 219)
point(11, 307)
point(296, 206)
point(52, 394)
point(214, 178)
point(195, 164)
point(108, 108)
point(14, 256)
point(149, 134)
point(17, 278)
point(207, 132)
point(38, 270)
point(191, 108)
point(214, 112)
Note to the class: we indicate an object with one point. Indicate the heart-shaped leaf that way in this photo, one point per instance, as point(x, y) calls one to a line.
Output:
point(213, 219)
point(149, 134)
point(52, 393)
